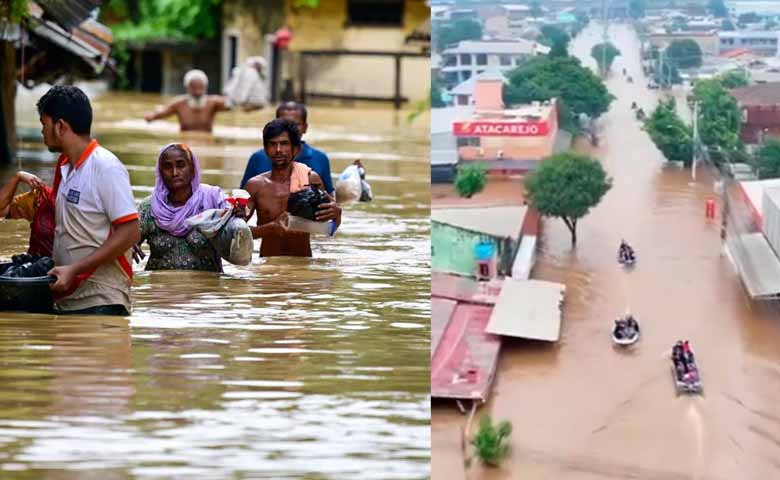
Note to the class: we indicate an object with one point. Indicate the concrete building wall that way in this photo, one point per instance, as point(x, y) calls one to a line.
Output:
point(325, 28)
point(248, 22)
point(452, 250)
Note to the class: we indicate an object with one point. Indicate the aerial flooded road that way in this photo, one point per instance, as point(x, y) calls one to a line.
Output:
point(286, 368)
point(582, 409)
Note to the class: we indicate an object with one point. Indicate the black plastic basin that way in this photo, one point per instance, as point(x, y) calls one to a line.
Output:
point(26, 294)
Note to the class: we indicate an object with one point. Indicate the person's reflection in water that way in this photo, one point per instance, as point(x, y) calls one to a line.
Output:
point(85, 350)
point(271, 190)
point(178, 195)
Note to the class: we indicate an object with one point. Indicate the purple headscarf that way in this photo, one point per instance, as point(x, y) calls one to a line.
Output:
point(204, 197)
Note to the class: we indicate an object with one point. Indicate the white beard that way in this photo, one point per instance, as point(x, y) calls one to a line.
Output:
point(197, 102)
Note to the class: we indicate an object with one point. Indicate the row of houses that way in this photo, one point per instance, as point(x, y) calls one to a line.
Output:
point(714, 42)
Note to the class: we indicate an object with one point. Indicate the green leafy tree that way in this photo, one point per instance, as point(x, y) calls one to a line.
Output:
point(768, 160)
point(734, 79)
point(636, 8)
point(578, 89)
point(567, 185)
point(436, 100)
point(470, 179)
point(750, 17)
point(720, 118)
point(727, 25)
point(557, 39)
point(670, 134)
point(490, 440)
point(684, 54)
point(459, 31)
point(172, 19)
point(14, 10)
point(536, 9)
point(604, 52)
point(718, 8)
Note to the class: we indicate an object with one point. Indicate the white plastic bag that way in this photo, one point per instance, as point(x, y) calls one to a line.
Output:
point(351, 186)
point(230, 236)
point(247, 86)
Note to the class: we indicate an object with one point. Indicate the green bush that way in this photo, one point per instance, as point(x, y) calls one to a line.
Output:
point(489, 441)
point(471, 179)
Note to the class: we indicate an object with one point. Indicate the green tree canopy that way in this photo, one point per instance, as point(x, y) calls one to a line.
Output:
point(557, 39)
point(490, 440)
point(718, 8)
point(727, 25)
point(720, 118)
point(151, 19)
point(436, 100)
point(604, 52)
point(459, 31)
point(564, 78)
point(470, 179)
point(536, 9)
point(669, 133)
point(733, 79)
point(768, 160)
point(684, 53)
point(567, 185)
point(749, 17)
point(636, 8)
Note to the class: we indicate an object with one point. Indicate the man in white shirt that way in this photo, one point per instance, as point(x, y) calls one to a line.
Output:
point(96, 217)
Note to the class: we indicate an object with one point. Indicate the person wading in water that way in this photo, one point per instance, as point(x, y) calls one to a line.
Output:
point(270, 191)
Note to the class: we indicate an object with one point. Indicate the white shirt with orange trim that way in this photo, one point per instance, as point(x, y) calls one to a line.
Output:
point(93, 197)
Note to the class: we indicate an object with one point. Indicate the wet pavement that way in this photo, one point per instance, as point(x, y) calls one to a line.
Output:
point(584, 410)
point(286, 368)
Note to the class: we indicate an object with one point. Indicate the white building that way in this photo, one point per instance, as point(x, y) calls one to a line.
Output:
point(759, 42)
point(516, 14)
point(472, 57)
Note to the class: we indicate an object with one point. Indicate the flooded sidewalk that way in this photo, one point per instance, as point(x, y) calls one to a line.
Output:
point(583, 410)
point(286, 368)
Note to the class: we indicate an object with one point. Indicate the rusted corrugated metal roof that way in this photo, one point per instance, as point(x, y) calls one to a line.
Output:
point(68, 13)
point(464, 365)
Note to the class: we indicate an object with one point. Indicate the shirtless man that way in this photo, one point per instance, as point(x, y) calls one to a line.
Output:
point(269, 193)
point(196, 110)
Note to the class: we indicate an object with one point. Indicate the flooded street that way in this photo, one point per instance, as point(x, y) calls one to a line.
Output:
point(584, 410)
point(287, 368)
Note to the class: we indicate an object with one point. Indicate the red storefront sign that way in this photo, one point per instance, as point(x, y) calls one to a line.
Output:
point(500, 129)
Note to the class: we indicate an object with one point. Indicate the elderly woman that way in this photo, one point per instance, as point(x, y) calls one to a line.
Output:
point(178, 195)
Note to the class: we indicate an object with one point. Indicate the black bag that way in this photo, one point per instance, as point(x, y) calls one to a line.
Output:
point(28, 266)
point(305, 203)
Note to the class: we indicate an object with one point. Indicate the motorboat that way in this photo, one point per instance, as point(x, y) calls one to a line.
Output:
point(626, 331)
point(685, 371)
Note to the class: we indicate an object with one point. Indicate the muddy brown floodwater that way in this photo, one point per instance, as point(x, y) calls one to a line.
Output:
point(287, 368)
point(584, 410)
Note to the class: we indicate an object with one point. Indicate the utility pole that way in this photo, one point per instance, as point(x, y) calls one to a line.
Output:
point(605, 37)
point(695, 149)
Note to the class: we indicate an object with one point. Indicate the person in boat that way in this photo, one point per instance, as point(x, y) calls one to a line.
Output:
point(178, 195)
point(626, 252)
point(632, 323)
point(196, 110)
point(620, 327)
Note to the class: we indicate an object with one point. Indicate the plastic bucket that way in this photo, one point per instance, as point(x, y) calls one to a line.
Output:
point(484, 251)
point(298, 224)
point(25, 294)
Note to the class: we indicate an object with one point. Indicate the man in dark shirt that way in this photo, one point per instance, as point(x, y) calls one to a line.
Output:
point(309, 156)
